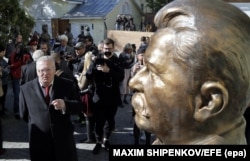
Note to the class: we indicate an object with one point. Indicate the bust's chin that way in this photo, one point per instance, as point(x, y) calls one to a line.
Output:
point(143, 123)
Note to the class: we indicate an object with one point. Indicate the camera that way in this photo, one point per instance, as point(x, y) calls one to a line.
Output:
point(108, 53)
point(67, 56)
point(95, 52)
point(83, 92)
point(89, 90)
point(100, 61)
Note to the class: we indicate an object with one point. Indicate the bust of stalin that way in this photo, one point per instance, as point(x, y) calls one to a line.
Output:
point(198, 68)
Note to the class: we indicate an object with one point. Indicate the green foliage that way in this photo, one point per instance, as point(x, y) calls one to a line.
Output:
point(13, 19)
point(156, 5)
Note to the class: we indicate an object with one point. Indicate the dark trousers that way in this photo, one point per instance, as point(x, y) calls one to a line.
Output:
point(57, 148)
point(104, 116)
point(16, 91)
point(2, 99)
point(90, 124)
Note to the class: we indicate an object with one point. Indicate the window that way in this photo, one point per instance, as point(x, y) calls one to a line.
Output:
point(43, 12)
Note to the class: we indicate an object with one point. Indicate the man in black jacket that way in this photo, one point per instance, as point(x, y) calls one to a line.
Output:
point(46, 104)
point(106, 73)
point(90, 46)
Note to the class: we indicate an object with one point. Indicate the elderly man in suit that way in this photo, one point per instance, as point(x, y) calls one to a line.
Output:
point(64, 48)
point(46, 104)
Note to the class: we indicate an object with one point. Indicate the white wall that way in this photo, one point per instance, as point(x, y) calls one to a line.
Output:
point(44, 10)
point(245, 7)
point(97, 32)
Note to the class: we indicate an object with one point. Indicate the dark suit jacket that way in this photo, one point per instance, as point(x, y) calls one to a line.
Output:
point(50, 131)
point(68, 50)
point(28, 72)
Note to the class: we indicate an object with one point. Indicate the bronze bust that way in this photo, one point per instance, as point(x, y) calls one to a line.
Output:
point(195, 85)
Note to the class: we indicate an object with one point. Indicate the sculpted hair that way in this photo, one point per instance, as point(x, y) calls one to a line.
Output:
point(212, 39)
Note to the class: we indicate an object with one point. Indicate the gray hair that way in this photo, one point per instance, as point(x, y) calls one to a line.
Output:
point(37, 54)
point(45, 58)
point(63, 37)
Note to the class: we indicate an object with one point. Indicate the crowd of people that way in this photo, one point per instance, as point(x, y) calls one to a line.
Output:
point(126, 23)
point(186, 89)
point(52, 83)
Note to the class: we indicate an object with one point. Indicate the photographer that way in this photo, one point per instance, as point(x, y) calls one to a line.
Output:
point(90, 46)
point(106, 74)
point(77, 65)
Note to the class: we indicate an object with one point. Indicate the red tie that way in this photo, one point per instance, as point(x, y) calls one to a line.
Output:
point(47, 98)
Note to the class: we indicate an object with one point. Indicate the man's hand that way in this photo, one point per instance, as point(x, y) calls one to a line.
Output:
point(59, 104)
point(104, 68)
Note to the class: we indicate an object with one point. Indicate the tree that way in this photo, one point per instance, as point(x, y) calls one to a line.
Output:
point(14, 20)
point(156, 5)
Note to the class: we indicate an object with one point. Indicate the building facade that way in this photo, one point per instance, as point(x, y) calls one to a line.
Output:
point(98, 15)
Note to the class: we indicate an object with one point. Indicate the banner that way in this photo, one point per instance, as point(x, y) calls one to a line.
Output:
point(179, 152)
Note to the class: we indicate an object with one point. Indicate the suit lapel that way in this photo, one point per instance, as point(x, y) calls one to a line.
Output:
point(38, 90)
point(55, 88)
point(55, 91)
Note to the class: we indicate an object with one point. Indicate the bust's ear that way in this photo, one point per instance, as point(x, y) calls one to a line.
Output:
point(211, 101)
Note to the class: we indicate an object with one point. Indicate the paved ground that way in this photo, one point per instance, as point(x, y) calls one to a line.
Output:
point(15, 136)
